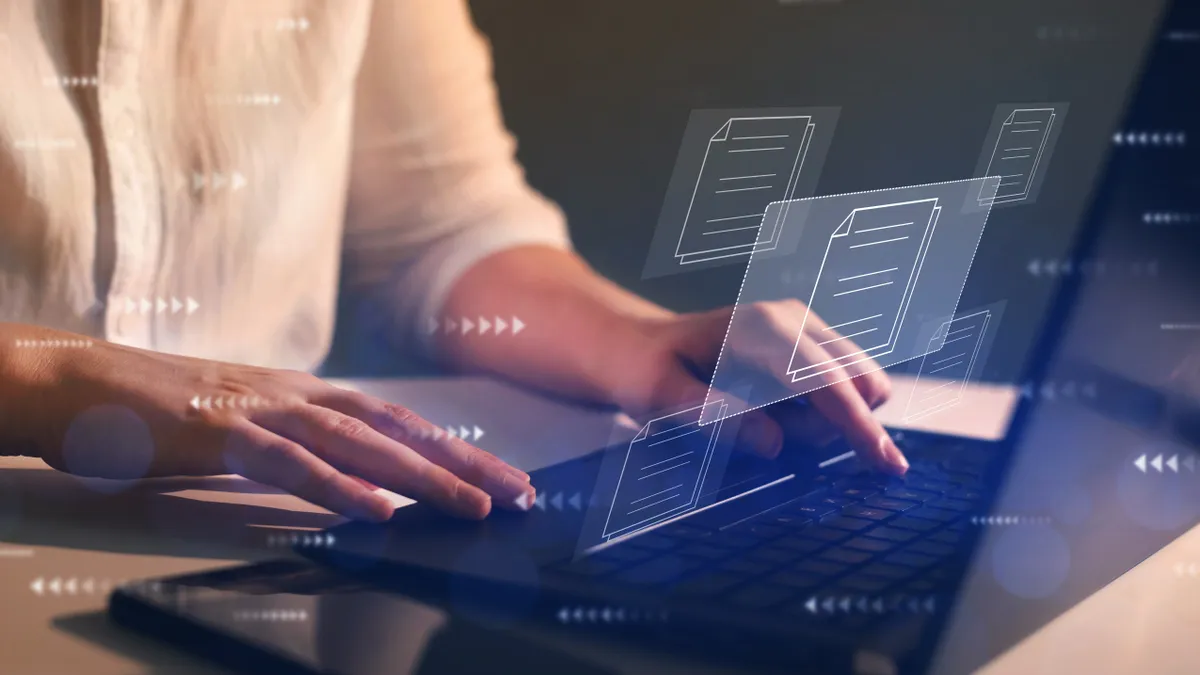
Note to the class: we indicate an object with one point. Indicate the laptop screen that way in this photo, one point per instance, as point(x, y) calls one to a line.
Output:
point(896, 93)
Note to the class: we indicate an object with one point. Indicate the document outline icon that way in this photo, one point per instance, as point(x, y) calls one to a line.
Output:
point(936, 361)
point(667, 430)
point(1019, 121)
point(709, 185)
point(827, 277)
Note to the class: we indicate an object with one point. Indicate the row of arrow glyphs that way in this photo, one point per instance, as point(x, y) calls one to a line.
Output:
point(871, 604)
point(1173, 463)
point(610, 615)
point(472, 433)
point(155, 305)
point(559, 501)
point(72, 586)
point(482, 325)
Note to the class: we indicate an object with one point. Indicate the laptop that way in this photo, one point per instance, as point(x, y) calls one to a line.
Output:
point(812, 560)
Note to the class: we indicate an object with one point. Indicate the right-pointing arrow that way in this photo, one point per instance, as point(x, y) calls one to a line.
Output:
point(500, 325)
point(478, 433)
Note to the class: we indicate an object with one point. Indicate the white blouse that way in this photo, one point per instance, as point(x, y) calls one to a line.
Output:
point(198, 176)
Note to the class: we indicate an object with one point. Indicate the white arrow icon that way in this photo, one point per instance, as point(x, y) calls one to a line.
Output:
point(239, 181)
point(71, 586)
point(451, 432)
point(55, 586)
point(929, 604)
point(197, 181)
point(37, 586)
point(557, 501)
point(500, 325)
point(451, 326)
point(1140, 463)
point(878, 606)
point(144, 305)
point(517, 325)
point(1035, 267)
point(467, 325)
point(159, 305)
point(176, 305)
point(195, 402)
point(576, 501)
point(564, 615)
point(828, 605)
point(811, 605)
point(192, 306)
point(484, 326)
point(1173, 463)
point(522, 501)
point(845, 604)
point(540, 501)
point(478, 433)
point(464, 433)
point(1157, 463)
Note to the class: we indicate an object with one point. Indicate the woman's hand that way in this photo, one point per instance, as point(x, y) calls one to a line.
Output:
point(110, 411)
point(668, 355)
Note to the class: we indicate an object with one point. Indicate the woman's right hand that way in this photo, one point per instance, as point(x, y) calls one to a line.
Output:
point(110, 411)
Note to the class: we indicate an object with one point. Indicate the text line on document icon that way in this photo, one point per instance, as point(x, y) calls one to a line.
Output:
point(1018, 153)
point(947, 367)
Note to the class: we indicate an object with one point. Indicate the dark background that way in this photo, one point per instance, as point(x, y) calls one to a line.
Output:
point(598, 95)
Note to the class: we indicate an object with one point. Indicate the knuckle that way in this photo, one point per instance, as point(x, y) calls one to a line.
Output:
point(346, 426)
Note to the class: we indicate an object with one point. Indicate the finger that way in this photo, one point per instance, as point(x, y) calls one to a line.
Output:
point(353, 446)
point(505, 483)
point(841, 403)
point(868, 376)
point(268, 458)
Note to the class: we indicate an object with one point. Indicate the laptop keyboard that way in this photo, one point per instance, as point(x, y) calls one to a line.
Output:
point(848, 536)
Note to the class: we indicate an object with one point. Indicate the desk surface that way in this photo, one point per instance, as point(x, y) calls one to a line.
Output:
point(54, 526)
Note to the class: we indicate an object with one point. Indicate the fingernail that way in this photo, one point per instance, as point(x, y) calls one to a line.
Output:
point(512, 492)
point(895, 458)
point(763, 435)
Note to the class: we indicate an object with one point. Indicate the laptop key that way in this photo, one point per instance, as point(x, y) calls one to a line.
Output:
point(846, 556)
point(814, 510)
point(706, 552)
point(890, 534)
point(864, 584)
point(747, 568)
point(859, 511)
point(910, 523)
point(910, 494)
point(788, 521)
point(933, 548)
point(765, 532)
point(891, 504)
point(761, 596)
point(773, 556)
point(825, 568)
point(947, 537)
point(910, 559)
point(661, 570)
point(798, 580)
point(856, 493)
point(799, 544)
point(870, 545)
point(844, 523)
point(708, 584)
point(888, 571)
point(827, 534)
point(932, 513)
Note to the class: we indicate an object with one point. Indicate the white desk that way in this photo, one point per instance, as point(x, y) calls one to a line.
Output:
point(64, 530)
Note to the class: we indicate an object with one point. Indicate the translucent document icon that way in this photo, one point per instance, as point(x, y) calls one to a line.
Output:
point(1018, 152)
point(664, 470)
point(750, 162)
point(946, 370)
point(865, 282)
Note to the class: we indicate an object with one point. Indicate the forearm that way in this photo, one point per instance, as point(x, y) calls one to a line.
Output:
point(575, 320)
point(27, 371)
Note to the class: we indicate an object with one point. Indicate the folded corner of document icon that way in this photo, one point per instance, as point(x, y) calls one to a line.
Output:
point(750, 162)
point(666, 467)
